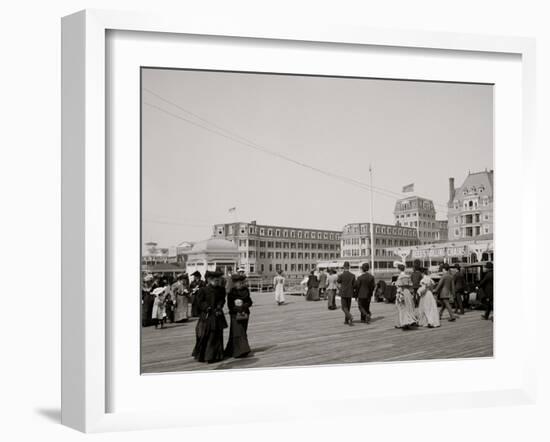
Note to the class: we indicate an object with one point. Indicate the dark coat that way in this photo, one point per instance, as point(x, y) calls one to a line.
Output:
point(346, 279)
point(486, 284)
point(460, 281)
point(209, 331)
point(364, 286)
point(416, 277)
point(237, 344)
point(242, 294)
point(446, 287)
point(322, 280)
point(312, 282)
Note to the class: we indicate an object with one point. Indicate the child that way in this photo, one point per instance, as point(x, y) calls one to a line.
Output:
point(159, 307)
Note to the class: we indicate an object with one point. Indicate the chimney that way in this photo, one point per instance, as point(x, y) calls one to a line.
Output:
point(451, 190)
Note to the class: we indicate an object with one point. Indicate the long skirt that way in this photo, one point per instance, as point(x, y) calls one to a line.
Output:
point(427, 311)
point(182, 308)
point(237, 345)
point(147, 310)
point(405, 310)
point(312, 294)
point(209, 338)
point(279, 293)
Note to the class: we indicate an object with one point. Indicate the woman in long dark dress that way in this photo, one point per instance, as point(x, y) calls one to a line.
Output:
point(147, 301)
point(312, 288)
point(238, 303)
point(209, 331)
point(194, 287)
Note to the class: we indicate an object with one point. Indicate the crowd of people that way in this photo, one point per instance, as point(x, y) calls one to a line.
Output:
point(165, 299)
point(176, 301)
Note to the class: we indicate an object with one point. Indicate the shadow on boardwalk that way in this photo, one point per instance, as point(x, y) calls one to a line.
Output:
point(303, 333)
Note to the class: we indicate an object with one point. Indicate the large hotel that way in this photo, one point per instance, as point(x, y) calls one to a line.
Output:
point(265, 249)
point(356, 242)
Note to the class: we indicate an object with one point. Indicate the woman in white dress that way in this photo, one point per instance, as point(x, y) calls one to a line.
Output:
point(404, 300)
point(428, 315)
point(279, 283)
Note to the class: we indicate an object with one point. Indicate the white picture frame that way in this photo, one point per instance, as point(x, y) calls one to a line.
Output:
point(86, 201)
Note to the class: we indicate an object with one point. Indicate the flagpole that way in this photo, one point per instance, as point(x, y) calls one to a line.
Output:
point(371, 220)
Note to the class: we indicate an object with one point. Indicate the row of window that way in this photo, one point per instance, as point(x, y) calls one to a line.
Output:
point(471, 232)
point(279, 233)
point(469, 219)
point(378, 241)
point(286, 267)
point(291, 255)
point(285, 245)
point(383, 230)
point(353, 253)
point(471, 204)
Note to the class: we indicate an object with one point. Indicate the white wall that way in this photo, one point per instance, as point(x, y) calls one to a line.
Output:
point(30, 182)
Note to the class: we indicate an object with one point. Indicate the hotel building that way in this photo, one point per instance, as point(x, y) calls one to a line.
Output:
point(470, 212)
point(419, 213)
point(265, 249)
point(356, 242)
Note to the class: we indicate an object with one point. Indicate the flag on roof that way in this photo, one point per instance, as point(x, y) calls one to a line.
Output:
point(232, 209)
point(408, 188)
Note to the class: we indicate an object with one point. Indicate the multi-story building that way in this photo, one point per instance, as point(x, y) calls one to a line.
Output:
point(443, 226)
point(356, 242)
point(265, 249)
point(419, 213)
point(470, 212)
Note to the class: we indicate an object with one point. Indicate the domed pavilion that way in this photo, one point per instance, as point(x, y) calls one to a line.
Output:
point(212, 253)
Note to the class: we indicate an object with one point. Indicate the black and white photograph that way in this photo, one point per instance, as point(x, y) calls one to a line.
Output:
point(295, 220)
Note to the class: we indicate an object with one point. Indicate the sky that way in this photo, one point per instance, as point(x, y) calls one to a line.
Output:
point(196, 165)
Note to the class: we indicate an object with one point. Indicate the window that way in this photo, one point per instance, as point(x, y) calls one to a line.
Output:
point(331, 236)
point(270, 244)
point(262, 231)
point(292, 234)
point(269, 232)
point(242, 230)
point(306, 235)
point(220, 231)
point(377, 229)
point(262, 255)
point(300, 234)
point(277, 255)
point(251, 230)
point(457, 233)
point(486, 229)
point(486, 217)
point(285, 233)
point(300, 255)
point(277, 245)
point(262, 268)
point(270, 267)
point(325, 235)
point(277, 233)
point(292, 267)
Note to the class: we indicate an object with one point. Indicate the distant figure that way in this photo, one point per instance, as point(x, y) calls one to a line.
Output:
point(332, 287)
point(181, 294)
point(147, 301)
point(404, 299)
point(428, 316)
point(159, 307)
point(445, 289)
point(460, 289)
point(364, 288)
point(416, 277)
point(209, 330)
point(238, 303)
point(380, 292)
point(312, 287)
point(346, 280)
point(279, 284)
point(486, 285)
point(194, 287)
point(229, 281)
point(322, 284)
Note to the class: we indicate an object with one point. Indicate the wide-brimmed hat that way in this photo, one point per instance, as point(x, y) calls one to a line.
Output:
point(196, 273)
point(148, 277)
point(158, 291)
point(241, 269)
point(398, 263)
point(236, 277)
point(213, 274)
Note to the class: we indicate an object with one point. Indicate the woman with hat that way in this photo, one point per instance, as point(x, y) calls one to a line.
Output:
point(404, 299)
point(147, 300)
point(180, 292)
point(312, 287)
point(209, 331)
point(238, 303)
point(279, 283)
point(428, 316)
point(194, 287)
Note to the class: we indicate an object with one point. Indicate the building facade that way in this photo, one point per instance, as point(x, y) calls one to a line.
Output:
point(356, 242)
point(470, 212)
point(419, 213)
point(265, 249)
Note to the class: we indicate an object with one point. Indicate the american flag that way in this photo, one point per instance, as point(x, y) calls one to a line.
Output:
point(232, 209)
point(408, 188)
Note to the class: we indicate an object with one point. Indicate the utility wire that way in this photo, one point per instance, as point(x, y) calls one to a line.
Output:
point(250, 143)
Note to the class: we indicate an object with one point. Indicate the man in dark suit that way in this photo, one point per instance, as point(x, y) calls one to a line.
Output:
point(460, 289)
point(346, 280)
point(445, 290)
point(364, 288)
point(486, 284)
point(416, 277)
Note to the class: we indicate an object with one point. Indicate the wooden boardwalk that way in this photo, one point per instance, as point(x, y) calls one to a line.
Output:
point(307, 333)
